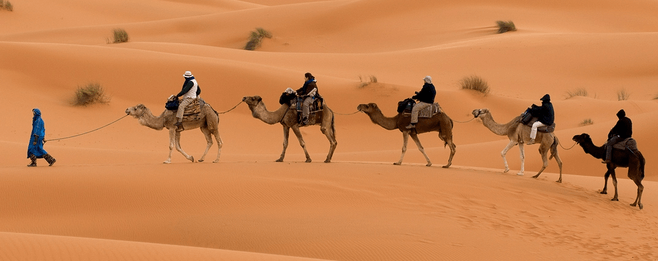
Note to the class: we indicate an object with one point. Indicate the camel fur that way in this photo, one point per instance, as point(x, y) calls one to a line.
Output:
point(519, 134)
point(440, 122)
point(633, 160)
point(287, 117)
point(208, 122)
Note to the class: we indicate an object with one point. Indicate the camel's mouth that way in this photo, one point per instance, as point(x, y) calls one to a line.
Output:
point(476, 113)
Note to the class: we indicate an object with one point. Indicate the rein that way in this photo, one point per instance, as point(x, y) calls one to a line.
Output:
point(231, 108)
point(58, 139)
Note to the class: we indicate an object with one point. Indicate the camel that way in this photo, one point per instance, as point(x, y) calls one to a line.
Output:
point(439, 122)
point(633, 160)
point(287, 117)
point(207, 121)
point(518, 134)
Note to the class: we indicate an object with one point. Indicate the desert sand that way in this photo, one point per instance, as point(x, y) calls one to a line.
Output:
point(110, 197)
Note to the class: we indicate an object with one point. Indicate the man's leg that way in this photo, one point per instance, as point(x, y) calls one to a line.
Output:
point(414, 113)
point(533, 131)
point(608, 151)
point(306, 109)
point(181, 111)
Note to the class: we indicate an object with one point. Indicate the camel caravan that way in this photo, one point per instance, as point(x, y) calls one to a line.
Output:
point(419, 114)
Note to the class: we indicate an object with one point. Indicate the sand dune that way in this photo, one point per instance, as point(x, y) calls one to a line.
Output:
point(109, 197)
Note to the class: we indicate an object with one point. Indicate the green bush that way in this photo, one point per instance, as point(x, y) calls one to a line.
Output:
point(90, 94)
point(120, 36)
point(578, 92)
point(256, 37)
point(505, 26)
point(475, 83)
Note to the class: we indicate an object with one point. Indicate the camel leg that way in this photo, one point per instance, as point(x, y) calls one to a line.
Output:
point(414, 136)
point(219, 145)
point(522, 156)
point(614, 182)
point(504, 152)
point(544, 158)
point(286, 134)
point(605, 184)
point(453, 148)
point(206, 134)
point(298, 133)
point(405, 140)
point(640, 187)
point(179, 149)
point(172, 142)
point(331, 136)
point(559, 164)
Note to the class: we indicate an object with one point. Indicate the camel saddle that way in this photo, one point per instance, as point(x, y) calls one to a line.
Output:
point(629, 143)
point(427, 112)
point(192, 110)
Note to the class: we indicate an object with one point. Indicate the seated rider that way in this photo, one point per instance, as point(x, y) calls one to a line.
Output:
point(425, 99)
point(308, 93)
point(189, 92)
point(545, 115)
point(622, 130)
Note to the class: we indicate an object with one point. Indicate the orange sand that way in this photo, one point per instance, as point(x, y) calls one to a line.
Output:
point(109, 197)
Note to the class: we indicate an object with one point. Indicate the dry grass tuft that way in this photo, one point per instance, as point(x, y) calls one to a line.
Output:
point(623, 95)
point(6, 5)
point(120, 36)
point(256, 38)
point(505, 26)
point(578, 92)
point(475, 83)
point(586, 122)
point(368, 80)
point(90, 94)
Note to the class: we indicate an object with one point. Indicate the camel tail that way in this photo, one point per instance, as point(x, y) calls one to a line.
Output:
point(642, 161)
point(554, 147)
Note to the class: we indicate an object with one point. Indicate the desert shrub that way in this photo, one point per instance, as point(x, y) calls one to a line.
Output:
point(256, 37)
point(505, 26)
point(623, 95)
point(365, 81)
point(577, 92)
point(90, 94)
point(6, 5)
point(475, 83)
point(656, 97)
point(120, 36)
point(586, 122)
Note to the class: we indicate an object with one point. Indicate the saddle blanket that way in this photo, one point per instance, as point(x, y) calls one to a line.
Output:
point(428, 112)
point(626, 143)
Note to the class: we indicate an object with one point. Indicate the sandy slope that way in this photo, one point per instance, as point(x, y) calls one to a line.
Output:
point(109, 197)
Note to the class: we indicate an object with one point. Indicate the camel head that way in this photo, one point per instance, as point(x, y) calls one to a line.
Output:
point(136, 111)
point(252, 100)
point(582, 138)
point(479, 112)
point(368, 108)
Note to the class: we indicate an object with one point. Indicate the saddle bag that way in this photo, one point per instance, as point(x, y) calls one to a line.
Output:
point(406, 105)
point(171, 105)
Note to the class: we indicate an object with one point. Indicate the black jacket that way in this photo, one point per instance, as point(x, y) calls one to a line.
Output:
point(623, 128)
point(544, 113)
point(426, 94)
point(187, 85)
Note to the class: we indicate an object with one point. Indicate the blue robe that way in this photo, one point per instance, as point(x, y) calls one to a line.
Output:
point(38, 134)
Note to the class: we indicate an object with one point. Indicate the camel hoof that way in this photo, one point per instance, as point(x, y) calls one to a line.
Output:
point(327, 161)
point(604, 192)
point(200, 160)
point(640, 205)
point(505, 171)
point(308, 160)
point(535, 176)
point(559, 181)
point(397, 163)
point(520, 174)
point(191, 159)
point(279, 160)
point(446, 166)
point(429, 164)
point(167, 162)
point(614, 199)
point(216, 161)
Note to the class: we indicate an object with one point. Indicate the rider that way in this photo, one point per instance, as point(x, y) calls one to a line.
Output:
point(545, 114)
point(622, 130)
point(425, 99)
point(189, 92)
point(308, 93)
